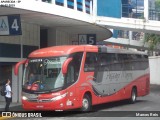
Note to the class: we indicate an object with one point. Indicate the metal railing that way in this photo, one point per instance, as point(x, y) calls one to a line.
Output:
point(131, 35)
point(130, 12)
point(154, 14)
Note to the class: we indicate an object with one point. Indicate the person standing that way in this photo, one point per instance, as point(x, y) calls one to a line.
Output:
point(8, 96)
point(130, 7)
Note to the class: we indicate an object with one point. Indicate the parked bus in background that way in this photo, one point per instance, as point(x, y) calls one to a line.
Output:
point(80, 76)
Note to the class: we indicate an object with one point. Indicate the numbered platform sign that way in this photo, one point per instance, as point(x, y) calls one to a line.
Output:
point(87, 39)
point(10, 25)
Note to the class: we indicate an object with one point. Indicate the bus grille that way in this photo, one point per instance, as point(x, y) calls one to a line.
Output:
point(39, 100)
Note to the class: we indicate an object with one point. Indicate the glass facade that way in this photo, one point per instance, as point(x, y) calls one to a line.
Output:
point(154, 10)
point(70, 4)
point(133, 8)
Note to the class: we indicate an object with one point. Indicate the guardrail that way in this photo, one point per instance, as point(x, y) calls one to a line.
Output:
point(154, 14)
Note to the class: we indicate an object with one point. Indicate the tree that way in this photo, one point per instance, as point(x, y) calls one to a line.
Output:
point(157, 4)
point(157, 8)
point(153, 40)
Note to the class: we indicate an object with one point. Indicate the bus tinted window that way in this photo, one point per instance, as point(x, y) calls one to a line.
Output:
point(90, 62)
point(107, 58)
point(74, 68)
point(107, 61)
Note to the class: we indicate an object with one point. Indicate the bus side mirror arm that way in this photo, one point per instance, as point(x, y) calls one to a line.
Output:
point(65, 65)
point(16, 68)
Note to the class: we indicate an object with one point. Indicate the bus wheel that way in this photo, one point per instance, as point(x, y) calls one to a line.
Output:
point(86, 103)
point(133, 95)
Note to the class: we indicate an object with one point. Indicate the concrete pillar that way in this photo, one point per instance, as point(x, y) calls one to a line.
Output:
point(14, 86)
point(53, 2)
point(65, 3)
point(146, 9)
point(91, 7)
point(84, 6)
point(17, 85)
point(130, 35)
point(95, 8)
point(20, 83)
point(75, 4)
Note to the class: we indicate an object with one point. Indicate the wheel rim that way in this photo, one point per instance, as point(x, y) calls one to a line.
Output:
point(133, 96)
point(85, 103)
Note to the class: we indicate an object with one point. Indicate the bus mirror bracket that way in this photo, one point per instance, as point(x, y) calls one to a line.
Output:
point(16, 68)
point(65, 65)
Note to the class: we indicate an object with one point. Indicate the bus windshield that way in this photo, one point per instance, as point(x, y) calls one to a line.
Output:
point(43, 74)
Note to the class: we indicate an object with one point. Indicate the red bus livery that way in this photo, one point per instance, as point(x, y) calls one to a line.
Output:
point(80, 76)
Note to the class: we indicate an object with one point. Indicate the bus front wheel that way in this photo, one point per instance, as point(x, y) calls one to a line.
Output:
point(86, 103)
point(133, 95)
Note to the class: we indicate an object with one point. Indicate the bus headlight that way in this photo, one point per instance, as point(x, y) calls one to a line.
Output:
point(24, 98)
point(59, 97)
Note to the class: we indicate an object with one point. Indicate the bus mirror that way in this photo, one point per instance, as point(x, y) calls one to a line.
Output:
point(65, 65)
point(16, 68)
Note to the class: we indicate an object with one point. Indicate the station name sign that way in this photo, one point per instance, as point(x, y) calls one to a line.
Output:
point(10, 25)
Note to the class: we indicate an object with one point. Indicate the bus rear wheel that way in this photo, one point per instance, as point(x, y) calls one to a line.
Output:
point(86, 103)
point(133, 96)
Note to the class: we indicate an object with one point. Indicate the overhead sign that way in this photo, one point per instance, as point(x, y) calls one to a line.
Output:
point(10, 25)
point(87, 39)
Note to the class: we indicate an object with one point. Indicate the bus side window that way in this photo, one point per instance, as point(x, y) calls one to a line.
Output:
point(70, 74)
point(139, 62)
point(90, 62)
point(121, 61)
point(74, 68)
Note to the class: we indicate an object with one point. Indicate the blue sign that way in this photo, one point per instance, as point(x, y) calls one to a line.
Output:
point(87, 39)
point(10, 25)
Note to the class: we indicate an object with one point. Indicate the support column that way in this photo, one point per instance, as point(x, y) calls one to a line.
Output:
point(146, 9)
point(75, 4)
point(19, 85)
point(65, 3)
point(91, 7)
point(94, 8)
point(53, 2)
point(14, 86)
point(84, 6)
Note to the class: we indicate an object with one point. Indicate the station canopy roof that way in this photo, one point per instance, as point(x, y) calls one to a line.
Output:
point(68, 25)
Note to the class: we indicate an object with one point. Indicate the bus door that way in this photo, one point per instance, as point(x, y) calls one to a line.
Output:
point(72, 76)
point(90, 73)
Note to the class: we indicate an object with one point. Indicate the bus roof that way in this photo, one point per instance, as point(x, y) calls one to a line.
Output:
point(68, 49)
point(62, 50)
point(105, 49)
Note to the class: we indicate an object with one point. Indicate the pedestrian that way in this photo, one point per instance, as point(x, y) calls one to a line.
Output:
point(8, 96)
point(130, 7)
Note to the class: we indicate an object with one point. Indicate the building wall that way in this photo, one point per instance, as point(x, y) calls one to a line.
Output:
point(30, 39)
point(57, 37)
point(62, 38)
point(10, 53)
point(30, 35)
point(110, 8)
point(154, 63)
point(51, 37)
